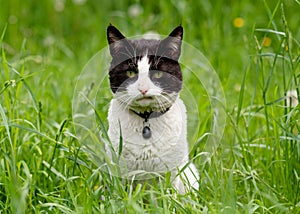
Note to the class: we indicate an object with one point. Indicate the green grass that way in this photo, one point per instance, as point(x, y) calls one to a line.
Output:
point(43, 166)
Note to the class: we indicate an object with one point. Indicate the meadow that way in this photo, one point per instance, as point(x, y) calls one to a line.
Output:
point(254, 50)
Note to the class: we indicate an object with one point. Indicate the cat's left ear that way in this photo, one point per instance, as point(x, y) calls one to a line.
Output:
point(116, 40)
point(170, 47)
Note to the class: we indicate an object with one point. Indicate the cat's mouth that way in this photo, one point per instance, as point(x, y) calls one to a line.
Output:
point(145, 98)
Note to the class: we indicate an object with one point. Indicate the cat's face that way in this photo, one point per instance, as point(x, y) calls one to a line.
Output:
point(145, 74)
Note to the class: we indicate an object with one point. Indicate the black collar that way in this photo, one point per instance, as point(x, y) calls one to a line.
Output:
point(149, 115)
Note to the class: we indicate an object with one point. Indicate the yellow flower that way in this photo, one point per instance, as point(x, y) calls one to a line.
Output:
point(238, 22)
point(266, 41)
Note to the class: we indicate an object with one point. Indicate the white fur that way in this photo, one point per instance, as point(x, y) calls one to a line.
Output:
point(167, 148)
point(143, 65)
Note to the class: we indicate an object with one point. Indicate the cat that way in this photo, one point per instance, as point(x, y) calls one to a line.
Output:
point(146, 111)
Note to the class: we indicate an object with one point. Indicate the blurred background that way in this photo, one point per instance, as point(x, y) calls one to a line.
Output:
point(74, 30)
point(60, 36)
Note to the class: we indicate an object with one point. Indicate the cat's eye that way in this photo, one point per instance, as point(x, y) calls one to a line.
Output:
point(158, 74)
point(130, 74)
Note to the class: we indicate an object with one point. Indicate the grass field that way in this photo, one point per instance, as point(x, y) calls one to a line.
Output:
point(254, 47)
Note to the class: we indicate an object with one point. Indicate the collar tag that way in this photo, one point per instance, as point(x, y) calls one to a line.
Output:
point(146, 132)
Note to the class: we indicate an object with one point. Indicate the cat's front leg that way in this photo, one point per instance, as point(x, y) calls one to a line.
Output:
point(187, 180)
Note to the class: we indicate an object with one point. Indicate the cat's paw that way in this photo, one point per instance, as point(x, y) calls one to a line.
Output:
point(187, 180)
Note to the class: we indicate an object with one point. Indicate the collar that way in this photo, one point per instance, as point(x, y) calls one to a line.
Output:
point(149, 115)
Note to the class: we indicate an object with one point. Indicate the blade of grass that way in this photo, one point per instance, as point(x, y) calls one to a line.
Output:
point(241, 95)
point(58, 135)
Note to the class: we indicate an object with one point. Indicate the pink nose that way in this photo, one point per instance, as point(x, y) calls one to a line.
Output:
point(143, 91)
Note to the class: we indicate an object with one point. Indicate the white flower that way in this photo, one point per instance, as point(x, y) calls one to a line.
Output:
point(59, 5)
point(79, 2)
point(292, 98)
point(135, 10)
point(13, 83)
point(48, 41)
point(151, 35)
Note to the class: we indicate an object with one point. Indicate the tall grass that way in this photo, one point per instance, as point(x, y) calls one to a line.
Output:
point(43, 166)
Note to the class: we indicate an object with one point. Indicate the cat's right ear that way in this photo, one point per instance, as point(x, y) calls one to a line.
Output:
point(115, 39)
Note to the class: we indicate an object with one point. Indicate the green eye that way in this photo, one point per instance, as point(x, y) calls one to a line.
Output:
point(130, 74)
point(158, 74)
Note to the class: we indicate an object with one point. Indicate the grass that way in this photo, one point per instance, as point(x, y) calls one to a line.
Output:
point(44, 47)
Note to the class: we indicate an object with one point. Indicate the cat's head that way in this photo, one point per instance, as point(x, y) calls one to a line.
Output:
point(145, 74)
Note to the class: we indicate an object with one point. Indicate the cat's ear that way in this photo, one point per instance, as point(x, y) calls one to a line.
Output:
point(177, 33)
point(115, 39)
point(113, 34)
point(170, 47)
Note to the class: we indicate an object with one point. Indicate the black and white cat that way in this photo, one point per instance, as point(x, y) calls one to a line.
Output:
point(146, 110)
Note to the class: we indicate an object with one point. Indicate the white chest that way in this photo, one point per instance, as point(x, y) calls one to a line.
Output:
point(165, 150)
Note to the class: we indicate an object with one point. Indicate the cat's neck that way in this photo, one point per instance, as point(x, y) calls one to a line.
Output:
point(148, 115)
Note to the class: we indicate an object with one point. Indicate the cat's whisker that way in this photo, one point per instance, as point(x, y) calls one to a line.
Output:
point(162, 105)
point(166, 98)
point(122, 97)
point(126, 101)
point(159, 102)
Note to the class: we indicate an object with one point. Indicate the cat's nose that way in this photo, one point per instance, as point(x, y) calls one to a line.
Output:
point(143, 91)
